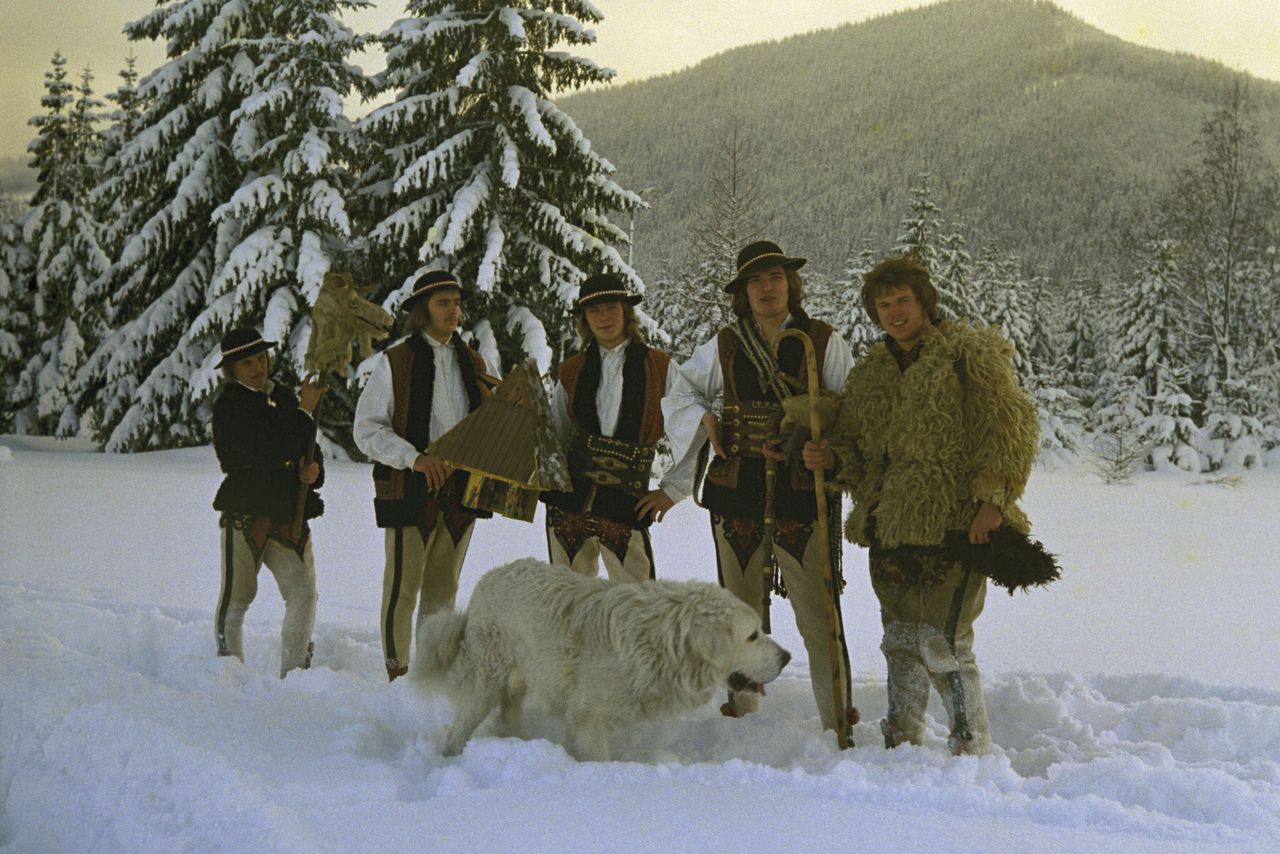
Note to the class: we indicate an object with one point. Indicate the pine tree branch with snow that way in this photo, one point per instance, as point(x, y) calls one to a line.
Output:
point(474, 168)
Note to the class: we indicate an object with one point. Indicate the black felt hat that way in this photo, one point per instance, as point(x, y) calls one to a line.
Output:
point(241, 344)
point(603, 288)
point(430, 282)
point(758, 256)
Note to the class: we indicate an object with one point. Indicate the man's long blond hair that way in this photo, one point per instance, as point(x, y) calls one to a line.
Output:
point(630, 326)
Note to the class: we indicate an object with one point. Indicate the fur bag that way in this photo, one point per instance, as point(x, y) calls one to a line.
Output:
point(1011, 559)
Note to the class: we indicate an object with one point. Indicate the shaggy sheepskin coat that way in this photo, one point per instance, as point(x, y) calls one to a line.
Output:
point(921, 446)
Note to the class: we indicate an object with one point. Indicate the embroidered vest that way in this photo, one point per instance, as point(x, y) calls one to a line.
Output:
point(611, 472)
point(400, 495)
point(735, 487)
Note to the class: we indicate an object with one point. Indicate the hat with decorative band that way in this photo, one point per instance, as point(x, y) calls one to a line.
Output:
point(603, 287)
point(430, 282)
point(758, 256)
point(241, 344)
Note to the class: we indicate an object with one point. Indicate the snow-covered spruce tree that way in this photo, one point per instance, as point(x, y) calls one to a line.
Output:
point(117, 215)
point(1046, 305)
point(179, 168)
point(15, 271)
point(1050, 383)
point(942, 252)
point(1079, 341)
point(63, 236)
point(1169, 430)
point(287, 224)
point(112, 206)
point(1006, 309)
point(1233, 435)
point(918, 230)
point(953, 275)
point(476, 170)
point(1061, 416)
point(1119, 402)
point(1145, 345)
point(847, 314)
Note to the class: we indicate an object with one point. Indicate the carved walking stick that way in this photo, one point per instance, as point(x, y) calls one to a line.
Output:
point(341, 315)
point(300, 508)
point(835, 635)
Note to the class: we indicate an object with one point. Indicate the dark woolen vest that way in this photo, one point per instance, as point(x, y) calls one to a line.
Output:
point(401, 496)
point(644, 380)
point(736, 487)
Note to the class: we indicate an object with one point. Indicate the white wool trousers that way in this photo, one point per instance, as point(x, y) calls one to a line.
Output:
point(635, 565)
point(807, 594)
point(928, 607)
point(419, 573)
point(295, 576)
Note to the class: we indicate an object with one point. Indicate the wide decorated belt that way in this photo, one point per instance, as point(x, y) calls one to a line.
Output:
point(615, 463)
point(746, 426)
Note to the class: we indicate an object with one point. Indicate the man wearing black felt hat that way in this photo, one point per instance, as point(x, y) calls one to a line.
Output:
point(418, 389)
point(730, 395)
point(607, 408)
point(261, 433)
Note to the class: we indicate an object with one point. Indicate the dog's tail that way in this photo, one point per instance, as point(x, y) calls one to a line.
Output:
point(439, 638)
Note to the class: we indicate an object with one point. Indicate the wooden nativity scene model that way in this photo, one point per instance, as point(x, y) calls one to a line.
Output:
point(509, 448)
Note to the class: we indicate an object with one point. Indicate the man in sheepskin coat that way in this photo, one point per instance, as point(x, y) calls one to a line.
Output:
point(934, 436)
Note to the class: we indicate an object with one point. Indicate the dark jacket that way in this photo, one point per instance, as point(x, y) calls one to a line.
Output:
point(259, 439)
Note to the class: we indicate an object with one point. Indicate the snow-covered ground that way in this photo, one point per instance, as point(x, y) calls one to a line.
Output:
point(1135, 704)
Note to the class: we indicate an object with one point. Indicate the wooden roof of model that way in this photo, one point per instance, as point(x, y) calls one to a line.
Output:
point(510, 436)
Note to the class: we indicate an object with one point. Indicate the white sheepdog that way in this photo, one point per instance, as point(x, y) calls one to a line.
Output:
point(600, 654)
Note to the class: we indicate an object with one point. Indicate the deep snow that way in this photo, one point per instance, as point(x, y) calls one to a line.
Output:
point(1135, 704)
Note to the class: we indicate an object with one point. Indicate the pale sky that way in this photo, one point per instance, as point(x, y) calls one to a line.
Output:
point(638, 38)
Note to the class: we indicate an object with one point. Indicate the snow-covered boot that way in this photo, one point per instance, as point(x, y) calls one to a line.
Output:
point(908, 685)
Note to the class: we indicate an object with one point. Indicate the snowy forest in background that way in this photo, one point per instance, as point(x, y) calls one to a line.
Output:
point(216, 190)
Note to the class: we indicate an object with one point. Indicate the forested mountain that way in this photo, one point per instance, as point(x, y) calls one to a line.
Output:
point(1113, 211)
point(1042, 133)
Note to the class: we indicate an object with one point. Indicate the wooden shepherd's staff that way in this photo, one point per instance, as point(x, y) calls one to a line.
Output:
point(340, 314)
point(300, 509)
point(834, 633)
